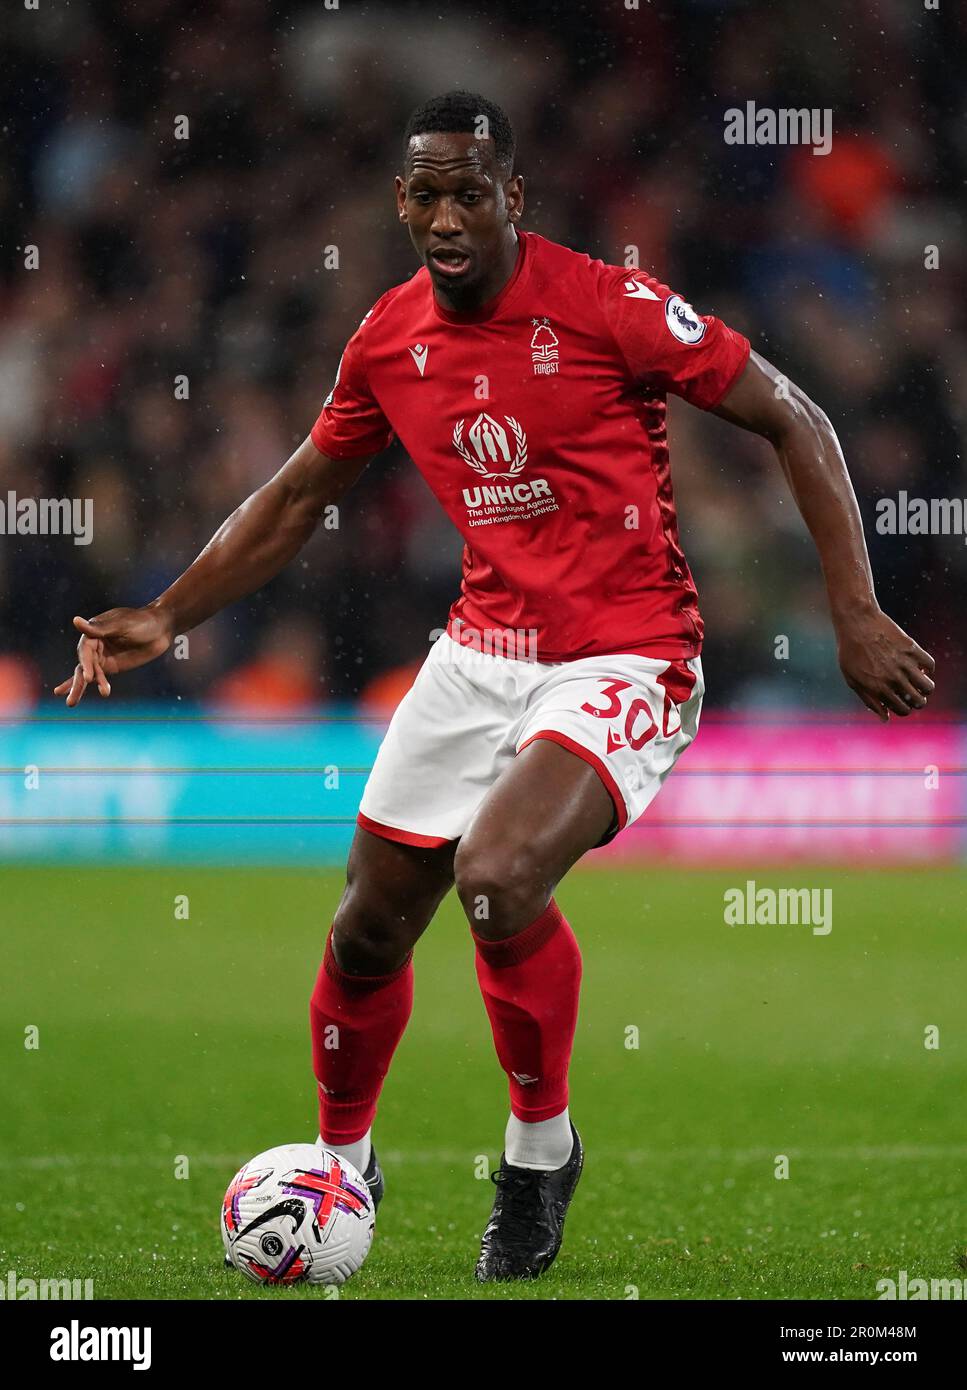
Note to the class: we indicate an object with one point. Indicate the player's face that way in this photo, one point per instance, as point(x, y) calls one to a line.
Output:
point(460, 212)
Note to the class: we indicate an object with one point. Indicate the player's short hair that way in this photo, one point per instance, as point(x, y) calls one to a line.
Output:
point(459, 113)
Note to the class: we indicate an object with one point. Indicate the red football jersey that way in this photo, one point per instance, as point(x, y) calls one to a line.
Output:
point(539, 423)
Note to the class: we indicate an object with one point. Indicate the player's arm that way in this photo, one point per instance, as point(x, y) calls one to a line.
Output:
point(885, 667)
point(250, 548)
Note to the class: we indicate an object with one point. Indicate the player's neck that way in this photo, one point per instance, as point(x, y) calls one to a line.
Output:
point(503, 269)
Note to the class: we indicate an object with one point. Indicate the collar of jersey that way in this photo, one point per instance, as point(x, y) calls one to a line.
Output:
point(493, 306)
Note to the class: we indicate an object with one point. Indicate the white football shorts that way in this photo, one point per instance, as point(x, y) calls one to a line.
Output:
point(468, 714)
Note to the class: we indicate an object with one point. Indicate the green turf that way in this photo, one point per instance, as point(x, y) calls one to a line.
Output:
point(161, 1038)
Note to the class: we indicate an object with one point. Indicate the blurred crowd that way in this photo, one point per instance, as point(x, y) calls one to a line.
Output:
point(205, 258)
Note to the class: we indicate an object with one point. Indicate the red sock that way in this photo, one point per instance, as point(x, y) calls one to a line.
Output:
point(530, 985)
point(357, 1021)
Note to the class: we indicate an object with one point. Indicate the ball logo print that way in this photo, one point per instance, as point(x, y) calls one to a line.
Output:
point(491, 445)
point(330, 1190)
point(298, 1214)
point(243, 1181)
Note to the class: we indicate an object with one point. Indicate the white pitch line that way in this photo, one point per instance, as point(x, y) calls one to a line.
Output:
point(456, 1157)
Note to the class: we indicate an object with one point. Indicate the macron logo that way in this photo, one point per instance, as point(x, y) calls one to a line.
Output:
point(418, 354)
point(634, 289)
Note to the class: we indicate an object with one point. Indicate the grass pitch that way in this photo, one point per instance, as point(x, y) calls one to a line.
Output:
point(704, 1052)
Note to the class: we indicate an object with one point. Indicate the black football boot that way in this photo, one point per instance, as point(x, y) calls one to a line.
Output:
point(525, 1230)
point(373, 1178)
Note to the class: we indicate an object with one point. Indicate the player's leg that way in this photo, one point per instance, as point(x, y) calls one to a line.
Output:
point(392, 892)
point(596, 742)
point(547, 809)
point(424, 786)
point(542, 814)
point(364, 991)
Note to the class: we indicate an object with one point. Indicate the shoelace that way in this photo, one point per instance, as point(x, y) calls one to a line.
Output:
point(518, 1190)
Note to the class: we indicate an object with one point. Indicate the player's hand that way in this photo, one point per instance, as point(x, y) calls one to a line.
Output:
point(118, 640)
point(885, 667)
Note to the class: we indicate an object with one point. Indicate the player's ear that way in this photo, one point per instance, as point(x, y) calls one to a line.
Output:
point(514, 194)
point(400, 198)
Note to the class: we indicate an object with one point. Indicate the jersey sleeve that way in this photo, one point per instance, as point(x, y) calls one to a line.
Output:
point(666, 343)
point(351, 422)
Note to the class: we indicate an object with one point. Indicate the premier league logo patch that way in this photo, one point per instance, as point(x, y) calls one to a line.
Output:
point(683, 321)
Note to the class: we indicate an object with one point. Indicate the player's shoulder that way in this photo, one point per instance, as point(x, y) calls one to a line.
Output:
point(561, 265)
point(553, 261)
point(398, 300)
point(629, 282)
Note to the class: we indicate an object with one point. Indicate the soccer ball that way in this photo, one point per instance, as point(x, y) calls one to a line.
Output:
point(298, 1214)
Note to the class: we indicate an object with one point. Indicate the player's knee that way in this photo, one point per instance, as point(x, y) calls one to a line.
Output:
point(502, 889)
point(368, 936)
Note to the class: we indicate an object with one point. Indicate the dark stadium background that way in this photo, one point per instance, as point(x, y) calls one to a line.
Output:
point(164, 1034)
point(205, 257)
